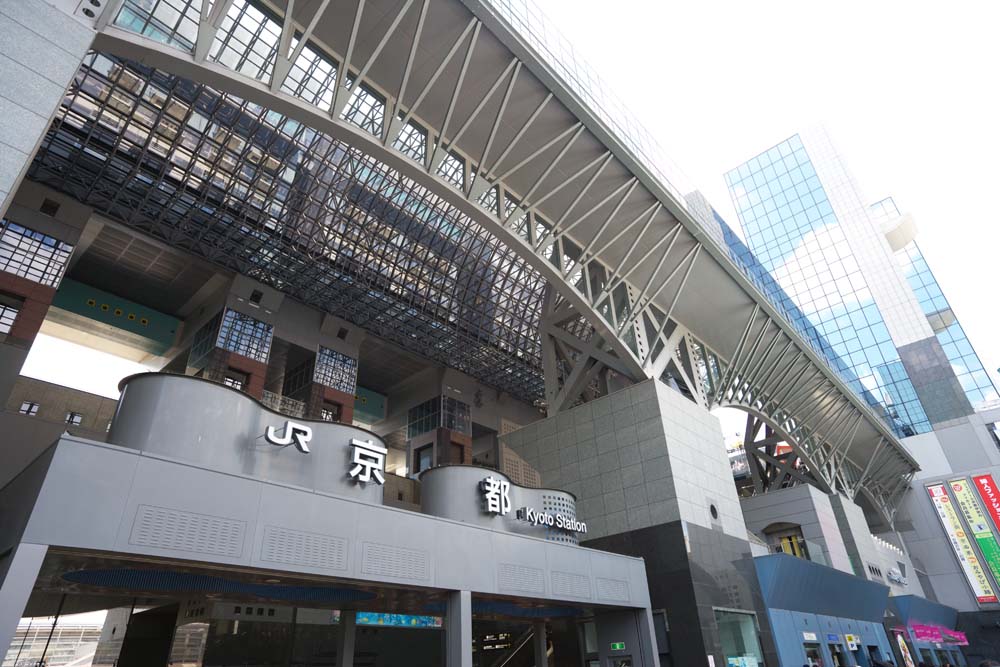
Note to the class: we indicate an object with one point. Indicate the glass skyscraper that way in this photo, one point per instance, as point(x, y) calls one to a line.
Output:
point(877, 306)
point(964, 361)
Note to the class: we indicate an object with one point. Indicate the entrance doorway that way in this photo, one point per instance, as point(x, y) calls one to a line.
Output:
point(814, 658)
point(837, 656)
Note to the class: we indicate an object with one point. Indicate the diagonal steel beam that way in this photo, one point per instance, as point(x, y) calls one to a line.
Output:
point(344, 68)
point(511, 68)
point(868, 467)
point(454, 96)
point(731, 369)
point(517, 137)
point(586, 188)
point(630, 184)
point(568, 180)
point(389, 32)
point(653, 209)
point(208, 26)
point(576, 128)
point(473, 22)
point(526, 199)
point(391, 126)
point(673, 302)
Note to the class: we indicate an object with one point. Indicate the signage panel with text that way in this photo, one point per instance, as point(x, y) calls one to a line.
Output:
point(976, 521)
point(961, 545)
point(987, 488)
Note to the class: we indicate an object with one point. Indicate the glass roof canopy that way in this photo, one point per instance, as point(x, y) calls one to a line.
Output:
point(264, 195)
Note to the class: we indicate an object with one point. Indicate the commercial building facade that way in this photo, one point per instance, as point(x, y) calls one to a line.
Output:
point(437, 339)
point(856, 273)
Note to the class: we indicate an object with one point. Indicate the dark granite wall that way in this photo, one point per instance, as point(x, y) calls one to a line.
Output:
point(983, 631)
point(691, 571)
point(934, 380)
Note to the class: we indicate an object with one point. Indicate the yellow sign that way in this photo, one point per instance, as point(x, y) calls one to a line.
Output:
point(970, 508)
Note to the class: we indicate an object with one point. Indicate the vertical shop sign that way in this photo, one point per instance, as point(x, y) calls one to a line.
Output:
point(960, 543)
point(976, 521)
point(987, 488)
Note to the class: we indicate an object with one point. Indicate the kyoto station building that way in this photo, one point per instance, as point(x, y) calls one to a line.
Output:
point(434, 340)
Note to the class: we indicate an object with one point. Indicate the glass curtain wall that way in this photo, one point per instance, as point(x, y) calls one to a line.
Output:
point(975, 381)
point(791, 228)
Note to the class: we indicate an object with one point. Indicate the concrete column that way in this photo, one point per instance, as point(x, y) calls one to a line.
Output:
point(345, 642)
point(458, 630)
point(647, 637)
point(540, 642)
point(16, 582)
point(42, 49)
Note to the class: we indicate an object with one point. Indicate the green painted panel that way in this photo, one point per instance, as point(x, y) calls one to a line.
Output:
point(991, 552)
point(369, 406)
point(104, 307)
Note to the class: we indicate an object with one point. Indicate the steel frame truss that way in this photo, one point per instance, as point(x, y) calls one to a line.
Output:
point(632, 318)
point(794, 405)
point(599, 317)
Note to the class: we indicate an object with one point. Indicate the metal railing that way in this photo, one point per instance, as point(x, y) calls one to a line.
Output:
point(283, 404)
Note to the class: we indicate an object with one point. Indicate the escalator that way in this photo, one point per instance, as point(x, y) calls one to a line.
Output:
point(520, 654)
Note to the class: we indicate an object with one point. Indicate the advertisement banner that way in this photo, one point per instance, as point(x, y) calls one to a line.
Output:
point(987, 488)
point(976, 521)
point(954, 637)
point(904, 651)
point(925, 633)
point(960, 543)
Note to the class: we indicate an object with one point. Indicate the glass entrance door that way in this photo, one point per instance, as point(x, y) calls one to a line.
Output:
point(738, 636)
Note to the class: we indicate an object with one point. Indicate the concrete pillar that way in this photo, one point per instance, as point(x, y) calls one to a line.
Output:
point(540, 642)
point(458, 630)
point(345, 642)
point(42, 50)
point(18, 572)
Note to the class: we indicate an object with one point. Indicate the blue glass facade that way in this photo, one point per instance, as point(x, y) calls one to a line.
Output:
point(765, 282)
point(791, 228)
point(964, 361)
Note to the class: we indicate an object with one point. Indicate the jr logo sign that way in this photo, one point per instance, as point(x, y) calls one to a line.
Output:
point(293, 434)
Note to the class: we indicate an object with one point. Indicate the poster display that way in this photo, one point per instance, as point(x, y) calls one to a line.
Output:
point(987, 488)
point(976, 521)
point(960, 543)
point(904, 651)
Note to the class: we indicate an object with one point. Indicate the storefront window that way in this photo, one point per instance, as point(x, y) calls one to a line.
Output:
point(424, 417)
point(837, 655)
point(813, 656)
point(738, 635)
point(455, 415)
point(440, 411)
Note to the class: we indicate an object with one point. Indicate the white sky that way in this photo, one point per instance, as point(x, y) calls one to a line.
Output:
point(83, 368)
point(908, 89)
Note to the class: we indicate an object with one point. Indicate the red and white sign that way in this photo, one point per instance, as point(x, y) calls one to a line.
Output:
point(987, 488)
